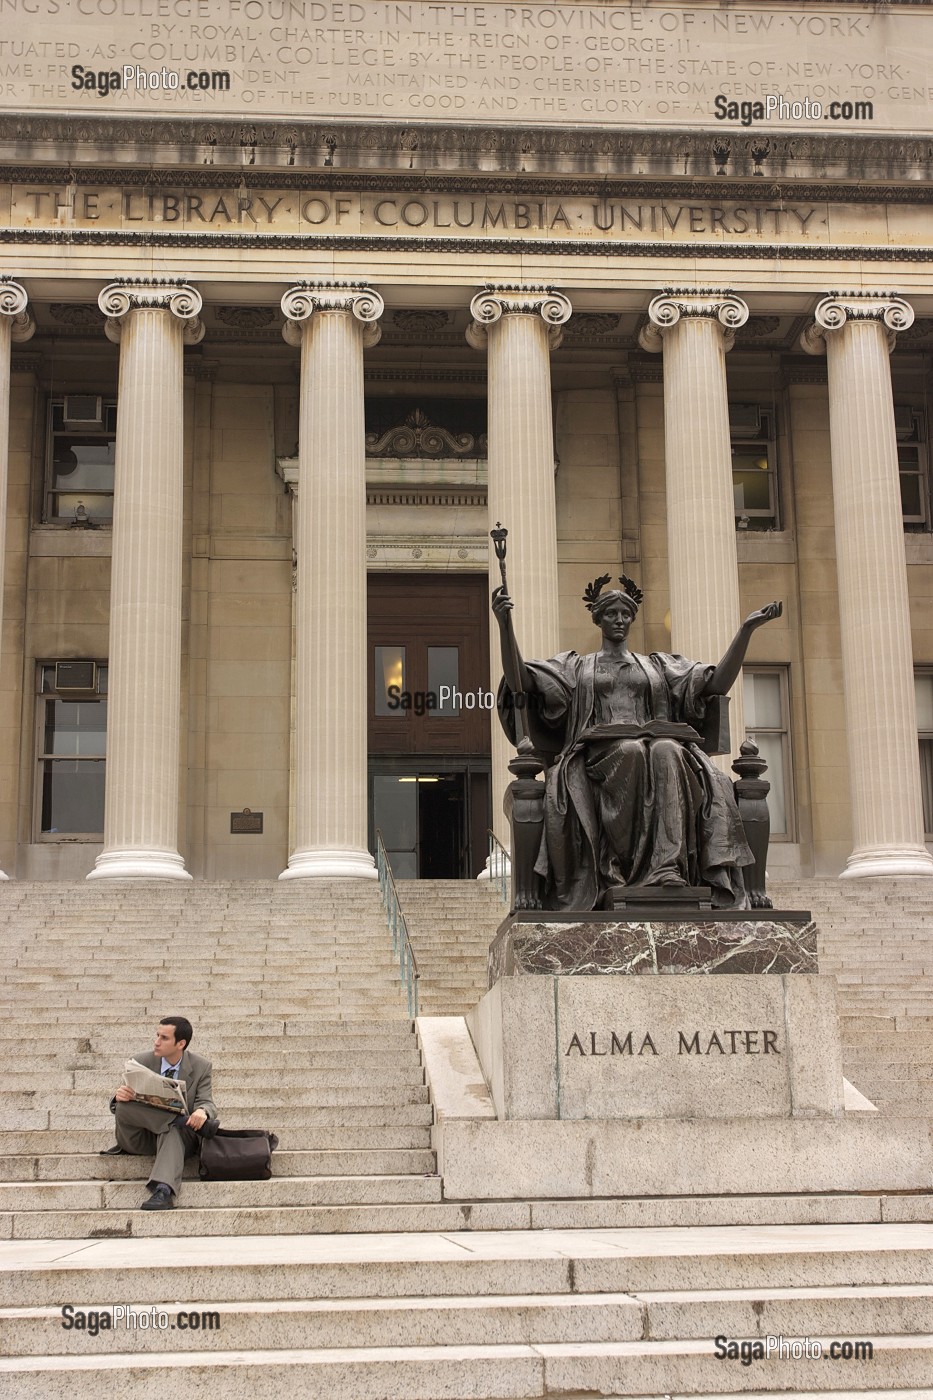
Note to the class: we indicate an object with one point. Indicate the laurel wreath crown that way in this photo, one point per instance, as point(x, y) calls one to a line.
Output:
point(593, 590)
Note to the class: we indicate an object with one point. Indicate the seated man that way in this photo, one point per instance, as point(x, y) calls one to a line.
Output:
point(144, 1131)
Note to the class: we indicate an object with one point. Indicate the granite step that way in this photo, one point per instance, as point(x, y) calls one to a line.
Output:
point(452, 1372)
point(343, 1136)
point(73, 1197)
point(476, 1263)
point(191, 1220)
point(283, 1057)
point(373, 1037)
point(461, 1321)
point(243, 1222)
point(226, 1082)
point(35, 1118)
point(91, 1166)
point(270, 1098)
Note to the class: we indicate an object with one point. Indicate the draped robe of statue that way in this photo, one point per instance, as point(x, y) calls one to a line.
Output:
point(631, 798)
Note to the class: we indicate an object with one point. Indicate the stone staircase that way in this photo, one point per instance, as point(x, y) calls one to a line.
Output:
point(348, 1274)
point(440, 1317)
point(451, 924)
point(297, 1002)
point(876, 938)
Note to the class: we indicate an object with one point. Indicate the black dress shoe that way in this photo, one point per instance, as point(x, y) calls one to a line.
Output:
point(115, 1151)
point(162, 1198)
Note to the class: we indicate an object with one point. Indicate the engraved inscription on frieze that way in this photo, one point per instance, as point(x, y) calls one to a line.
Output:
point(390, 213)
point(535, 64)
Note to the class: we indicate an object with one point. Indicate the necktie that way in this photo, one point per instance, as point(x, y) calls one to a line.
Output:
point(172, 1072)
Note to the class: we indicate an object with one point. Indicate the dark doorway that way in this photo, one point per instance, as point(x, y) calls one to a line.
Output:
point(433, 824)
point(442, 826)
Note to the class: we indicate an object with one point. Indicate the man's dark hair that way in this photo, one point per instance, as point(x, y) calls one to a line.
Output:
point(183, 1028)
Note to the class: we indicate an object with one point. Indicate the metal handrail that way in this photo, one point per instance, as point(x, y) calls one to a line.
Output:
point(401, 943)
point(499, 865)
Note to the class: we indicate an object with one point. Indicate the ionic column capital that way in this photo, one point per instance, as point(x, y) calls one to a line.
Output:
point(489, 305)
point(357, 299)
point(152, 294)
point(835, 311)
point(13, 303)
point(672, 306)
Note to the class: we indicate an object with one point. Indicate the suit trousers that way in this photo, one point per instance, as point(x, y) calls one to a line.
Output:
point(145, 1131)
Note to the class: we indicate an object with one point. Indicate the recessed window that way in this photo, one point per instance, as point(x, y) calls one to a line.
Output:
point(766, 722)
point(444, 681)
point(923, 681)
point(390, 681)
point(72, 746)
point(82, 437)
point(914, 466)
point(754, 467)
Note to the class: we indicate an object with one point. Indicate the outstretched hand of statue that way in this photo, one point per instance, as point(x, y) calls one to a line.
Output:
point(501, 606)
point(726, 673)
point(760, 616)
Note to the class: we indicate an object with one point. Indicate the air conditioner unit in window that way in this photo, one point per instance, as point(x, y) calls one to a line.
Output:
point(83, 408)
point(74, 676)
point(745, 420)
point(904, 421)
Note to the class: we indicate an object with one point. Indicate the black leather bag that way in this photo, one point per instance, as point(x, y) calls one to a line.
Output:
point(237, 1154)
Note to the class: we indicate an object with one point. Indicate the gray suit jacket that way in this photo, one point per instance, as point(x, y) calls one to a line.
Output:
point(194, 1070)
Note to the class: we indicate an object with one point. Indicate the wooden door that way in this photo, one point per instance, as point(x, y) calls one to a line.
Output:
point(428, 662)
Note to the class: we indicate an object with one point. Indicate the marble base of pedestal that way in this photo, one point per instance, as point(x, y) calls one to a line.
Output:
point(663, 941)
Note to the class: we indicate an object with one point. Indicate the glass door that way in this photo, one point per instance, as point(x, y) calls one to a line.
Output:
point(433, 823)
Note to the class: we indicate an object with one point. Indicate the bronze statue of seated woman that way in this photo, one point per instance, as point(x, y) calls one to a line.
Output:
point(631, 798)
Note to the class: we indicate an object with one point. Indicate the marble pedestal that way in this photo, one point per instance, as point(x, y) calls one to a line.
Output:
point(576, 1079)
point(615, 1046)
point(667, 941)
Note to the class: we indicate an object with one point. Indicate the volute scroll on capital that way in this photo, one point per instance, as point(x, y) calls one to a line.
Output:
point(358, 299)
point(489, 306)
point(668, 309)
point(13, 303)
point(152, 294)
point(837, 309)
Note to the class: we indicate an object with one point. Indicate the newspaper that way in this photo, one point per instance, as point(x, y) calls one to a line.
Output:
point(156, 1089)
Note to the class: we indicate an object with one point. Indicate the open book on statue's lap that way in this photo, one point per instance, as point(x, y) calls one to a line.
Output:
point(157, 1090)
point(654, 729)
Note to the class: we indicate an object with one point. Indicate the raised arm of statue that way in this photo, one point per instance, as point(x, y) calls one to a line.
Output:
point(727, 672)
point(513, 667)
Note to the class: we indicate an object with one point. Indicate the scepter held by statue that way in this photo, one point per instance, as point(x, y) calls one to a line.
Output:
point(511, 663)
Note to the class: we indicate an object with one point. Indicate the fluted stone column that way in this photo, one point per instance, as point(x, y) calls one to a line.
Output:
point(857, 333)
point(519, 326)
point(152, 320)
point(694, 330)
point(332, 322)
point(17, 325)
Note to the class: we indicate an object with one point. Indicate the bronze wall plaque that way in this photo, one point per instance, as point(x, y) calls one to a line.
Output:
point(246, 823)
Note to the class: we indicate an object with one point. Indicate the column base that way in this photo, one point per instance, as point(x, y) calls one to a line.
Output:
point(138, 865)
point(330, 865)
point(496, 866)
point(888, 862)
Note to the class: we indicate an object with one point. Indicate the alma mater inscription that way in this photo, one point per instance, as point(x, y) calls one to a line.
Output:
point(698, 1042)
